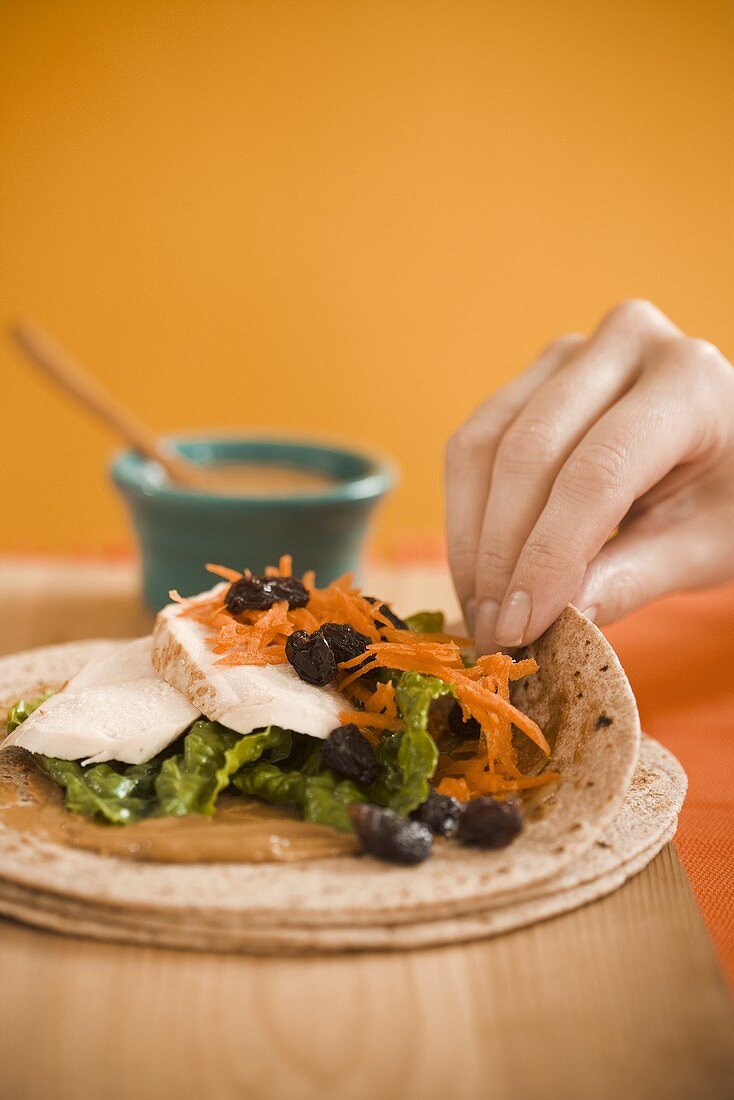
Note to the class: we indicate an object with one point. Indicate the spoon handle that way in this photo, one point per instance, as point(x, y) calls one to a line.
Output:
point(57, 364)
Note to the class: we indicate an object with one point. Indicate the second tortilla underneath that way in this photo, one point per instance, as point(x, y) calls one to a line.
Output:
point(645, 824)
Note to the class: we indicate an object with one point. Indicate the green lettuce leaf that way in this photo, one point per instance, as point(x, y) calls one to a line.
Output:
point(326, 799)
point(117, 793)
point(322, 798)
point(171, 784)
point(408, 758)
point(426, 622)
point(191, 782)
point(20, 710)
point(272, 784)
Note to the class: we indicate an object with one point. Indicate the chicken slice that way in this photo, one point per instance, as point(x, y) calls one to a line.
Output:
point(244, 697)
point(115, 708)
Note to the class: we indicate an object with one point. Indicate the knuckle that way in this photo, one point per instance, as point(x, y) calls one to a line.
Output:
point(699, 348)
point(493, 562)
point(461, 447)
point(462, 555)
point(625, 592)
point(596, 468)
point(696, 364)
point(638, 312)
point(565, 343)
point(472, 438)
point(557, 562)
point(463, 579)
point(527, 444)
point(462, 559)
point(702, 357)
point(451, 449)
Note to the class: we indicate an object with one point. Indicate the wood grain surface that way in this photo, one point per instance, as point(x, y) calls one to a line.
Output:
point(622, 998)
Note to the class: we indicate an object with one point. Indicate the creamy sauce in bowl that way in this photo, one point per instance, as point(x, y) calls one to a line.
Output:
point(263, 479)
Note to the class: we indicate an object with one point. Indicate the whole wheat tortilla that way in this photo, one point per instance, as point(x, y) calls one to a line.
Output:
point(582, 699)
point(646, 823)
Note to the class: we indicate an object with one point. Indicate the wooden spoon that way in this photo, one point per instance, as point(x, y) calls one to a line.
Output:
point(67, 373)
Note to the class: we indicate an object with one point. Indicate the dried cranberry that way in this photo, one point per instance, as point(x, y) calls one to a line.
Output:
point(439, 813)
point(260, 593)
point(387, 835)
point(344, 641)
point(490, 823)
point(311, 657)
point(388, 614)
point(468, 729)
point(348, 752)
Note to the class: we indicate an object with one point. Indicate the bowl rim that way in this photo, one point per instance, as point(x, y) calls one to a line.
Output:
point(127, 469)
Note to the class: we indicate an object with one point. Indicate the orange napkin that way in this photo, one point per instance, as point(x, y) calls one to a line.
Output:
point(679, 656)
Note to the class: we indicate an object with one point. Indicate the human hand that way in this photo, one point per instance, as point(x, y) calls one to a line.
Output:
point(630, 429)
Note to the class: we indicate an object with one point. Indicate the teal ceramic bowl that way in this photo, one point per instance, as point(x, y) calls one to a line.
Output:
point(180, 530)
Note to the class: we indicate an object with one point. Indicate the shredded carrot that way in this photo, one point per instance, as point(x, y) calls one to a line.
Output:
point(454, 788)
point(483, 693)
point(383, 699)
point(303, 619)
point(223, 571)
point(373, 721)
point(361, 692)
point(444, 662)
point(395, 634)
point(527, 781)
point(486, 765)
point(284, 568)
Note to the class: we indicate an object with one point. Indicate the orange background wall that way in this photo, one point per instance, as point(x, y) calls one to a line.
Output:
point(354, 218)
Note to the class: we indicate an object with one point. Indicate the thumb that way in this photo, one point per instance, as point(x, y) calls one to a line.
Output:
point(642, 564)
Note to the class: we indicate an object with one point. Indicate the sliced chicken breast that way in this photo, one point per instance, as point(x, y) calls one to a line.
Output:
point(115, 708)
point(245, 698)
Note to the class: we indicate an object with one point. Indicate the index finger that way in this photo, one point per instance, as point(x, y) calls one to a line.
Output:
point(644, 436)
point(470, 455)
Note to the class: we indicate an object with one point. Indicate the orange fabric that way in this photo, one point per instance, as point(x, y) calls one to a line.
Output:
point(679, 656)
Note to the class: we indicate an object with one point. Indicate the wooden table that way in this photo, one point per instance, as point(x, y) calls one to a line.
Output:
point(622, 998)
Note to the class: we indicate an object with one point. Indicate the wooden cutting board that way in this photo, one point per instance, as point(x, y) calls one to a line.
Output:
point(622, 998)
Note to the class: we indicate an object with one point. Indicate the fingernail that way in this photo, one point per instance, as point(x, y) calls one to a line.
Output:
point(590, 613)
point(470, 612)
point(514, 618)
point(486, 621)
